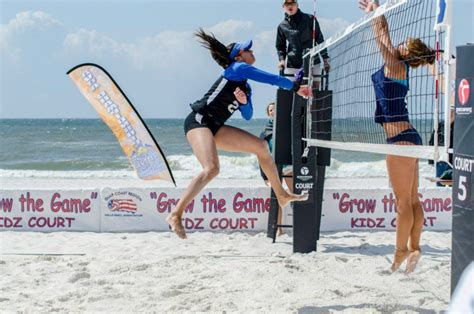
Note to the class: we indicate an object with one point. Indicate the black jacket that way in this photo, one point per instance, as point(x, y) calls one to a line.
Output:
point(297, 30)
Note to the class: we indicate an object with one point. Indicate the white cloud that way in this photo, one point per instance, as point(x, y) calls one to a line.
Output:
point(170, 49)
point(91, 42)
point(12, 32)
point(28, 20)
point(231, 30)
point(166, 50)
point(331, 27)
point(265, 42)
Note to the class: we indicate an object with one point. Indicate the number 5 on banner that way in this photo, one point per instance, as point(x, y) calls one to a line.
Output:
point(462, 186)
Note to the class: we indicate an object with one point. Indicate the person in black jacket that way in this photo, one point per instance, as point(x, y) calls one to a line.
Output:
point(295, 35)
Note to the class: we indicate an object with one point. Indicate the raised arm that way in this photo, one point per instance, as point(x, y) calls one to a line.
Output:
point(382, 35)
point(252, 73)
point(240, 71)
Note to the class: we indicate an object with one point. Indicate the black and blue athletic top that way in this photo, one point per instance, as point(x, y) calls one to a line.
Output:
point(390, 96)
point(220, 103)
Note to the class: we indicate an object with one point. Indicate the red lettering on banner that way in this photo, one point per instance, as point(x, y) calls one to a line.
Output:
point(447, 204)
point(72, 205)
point(193, 223)
point(198, 223)
point(6, 205)
point(250, 205)
point(361, 205)
point(429, 221)
point(163, 204)
point(30, 204)
point(429, 205)
point(437, 205)
point(389, 203)
point(13, 222)
point(370, 223)
point(50, 222)
point(232, 223)
point(212, 205)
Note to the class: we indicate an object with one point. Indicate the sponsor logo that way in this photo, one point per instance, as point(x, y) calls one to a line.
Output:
point(463, 92)
point(463, 97)
point(123, 204)
point(304, 174)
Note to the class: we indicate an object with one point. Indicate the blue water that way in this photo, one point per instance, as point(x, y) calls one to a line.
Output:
point(88, 144)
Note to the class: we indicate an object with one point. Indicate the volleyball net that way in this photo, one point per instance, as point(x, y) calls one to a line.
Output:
point(345, 116)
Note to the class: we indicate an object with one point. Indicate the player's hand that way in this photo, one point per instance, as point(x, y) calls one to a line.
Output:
point(368, 5)
point(304, 91)
point(240, 96)
point(281, 65)
point(327, 67)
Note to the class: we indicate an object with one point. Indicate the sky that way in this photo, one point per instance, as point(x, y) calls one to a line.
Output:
point(148, 47)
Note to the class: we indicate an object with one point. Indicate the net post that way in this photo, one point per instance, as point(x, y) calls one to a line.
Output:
point(272, 226)
point(443, 25)
point(463, 187)
point(305, 214)
point(281, 150)
point(449, 95)
point(309, 168)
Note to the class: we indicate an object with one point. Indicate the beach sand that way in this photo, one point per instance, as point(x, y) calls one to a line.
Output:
point(232, 272)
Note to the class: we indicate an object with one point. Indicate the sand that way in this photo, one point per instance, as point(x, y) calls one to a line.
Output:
point(231, 272)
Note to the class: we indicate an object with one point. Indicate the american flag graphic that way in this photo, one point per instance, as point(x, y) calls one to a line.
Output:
point(122, 205)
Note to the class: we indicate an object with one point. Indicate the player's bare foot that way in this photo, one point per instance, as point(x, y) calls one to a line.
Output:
point(412, 261)
point(280, 232)
point(176, 226)
point(398, 258)
point(290, 197)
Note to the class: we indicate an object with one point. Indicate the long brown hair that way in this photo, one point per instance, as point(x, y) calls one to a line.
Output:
point(220, 53)
point(419, 53)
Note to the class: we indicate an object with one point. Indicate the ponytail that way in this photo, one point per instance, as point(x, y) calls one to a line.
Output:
point(419, 53)
point(220, 53)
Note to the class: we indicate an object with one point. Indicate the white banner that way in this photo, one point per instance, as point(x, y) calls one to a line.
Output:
point(346, 209)
point(220, 209)
point(49, 210)
point(226, 209)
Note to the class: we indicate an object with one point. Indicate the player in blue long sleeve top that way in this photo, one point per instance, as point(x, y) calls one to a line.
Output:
point(205, 127)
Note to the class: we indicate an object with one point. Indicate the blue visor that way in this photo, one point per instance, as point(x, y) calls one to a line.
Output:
point(239, 47)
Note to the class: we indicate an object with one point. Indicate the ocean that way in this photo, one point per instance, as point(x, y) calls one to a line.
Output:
point(86, 148)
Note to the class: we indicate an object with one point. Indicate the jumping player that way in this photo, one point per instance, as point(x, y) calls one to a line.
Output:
point(391, 84)
point(205, 127)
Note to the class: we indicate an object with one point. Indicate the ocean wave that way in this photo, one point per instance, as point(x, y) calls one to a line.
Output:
point(75, 174)
point(231, 167)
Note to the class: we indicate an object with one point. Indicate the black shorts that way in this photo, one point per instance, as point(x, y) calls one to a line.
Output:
point(196, 120)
